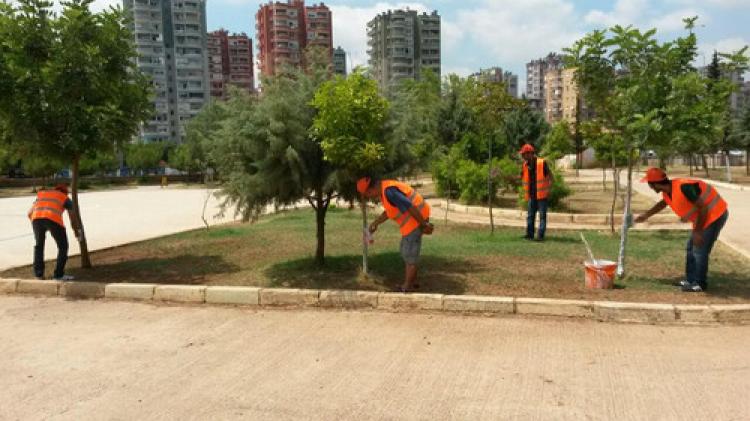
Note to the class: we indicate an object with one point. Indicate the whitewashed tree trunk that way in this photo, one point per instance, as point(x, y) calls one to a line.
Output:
point(729, 167)
point(626, 218)
point(364, 242)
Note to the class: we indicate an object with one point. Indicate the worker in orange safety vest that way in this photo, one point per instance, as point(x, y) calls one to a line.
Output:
point(410, 211)
point(46, 214)
point(697, 202)
point(537, 184)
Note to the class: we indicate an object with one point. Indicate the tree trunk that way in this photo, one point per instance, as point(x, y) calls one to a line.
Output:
point(626, 218)
point(577, 138)
point(489, 186)
point(729, 166)
point(747, 161)
point(447, 201)
point(705, 165)
point(321, 208)
point(690, 164)
point(78, 220)
point(604, 178)
point(616, 185)
point(364, 243)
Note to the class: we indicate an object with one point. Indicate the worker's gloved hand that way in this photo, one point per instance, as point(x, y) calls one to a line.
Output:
point(79, 234)
point(428, 228)
point(373, 227)
point(640, 219)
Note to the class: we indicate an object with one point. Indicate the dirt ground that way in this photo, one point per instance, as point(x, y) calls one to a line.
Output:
point(458, 259)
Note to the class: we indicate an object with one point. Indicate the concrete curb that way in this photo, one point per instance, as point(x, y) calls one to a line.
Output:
point(606, 311)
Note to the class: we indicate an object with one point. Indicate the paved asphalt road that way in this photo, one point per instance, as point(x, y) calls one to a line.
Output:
point(80, 360)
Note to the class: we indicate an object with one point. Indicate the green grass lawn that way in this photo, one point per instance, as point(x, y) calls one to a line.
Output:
point(458, 259)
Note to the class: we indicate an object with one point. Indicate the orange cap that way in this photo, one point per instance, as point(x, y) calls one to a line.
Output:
point(362, 185)
point(527, 148)
point(62, 188)
point(654, 175)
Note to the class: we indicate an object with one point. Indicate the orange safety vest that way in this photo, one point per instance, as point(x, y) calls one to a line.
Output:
point(688, 211)
point(542, 182)
point(406, 222)
point(49, 204)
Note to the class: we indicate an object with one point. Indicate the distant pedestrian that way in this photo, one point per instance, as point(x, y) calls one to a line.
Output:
point(410, 211)
point(537, 184)
point(46, 214)
point(697, 202)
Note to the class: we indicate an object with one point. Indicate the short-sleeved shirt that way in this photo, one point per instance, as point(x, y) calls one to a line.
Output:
point(532, 176)
point(397, 198)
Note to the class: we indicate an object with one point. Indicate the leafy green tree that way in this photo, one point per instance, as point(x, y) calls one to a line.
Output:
point(70, 85)
point(350, 124)
point(524, 125)
point(194, 154)
point(266, 153)
point(414, 115)
point(741, 135)
point(454, 116)
point(141, 156)
point(489, 104)
point(558, 142)
point(99, 163)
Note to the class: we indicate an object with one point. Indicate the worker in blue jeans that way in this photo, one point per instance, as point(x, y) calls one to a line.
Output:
point(537, 184)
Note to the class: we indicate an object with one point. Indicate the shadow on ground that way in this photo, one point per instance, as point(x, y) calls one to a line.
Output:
point(185, 269)
point(440, 275)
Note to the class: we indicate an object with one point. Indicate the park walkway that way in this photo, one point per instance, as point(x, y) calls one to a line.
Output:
point(81, 360)
point(111, 218)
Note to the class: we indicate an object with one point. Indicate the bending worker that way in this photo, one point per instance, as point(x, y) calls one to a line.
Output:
point(410, 211)
point(46, 214)
point(537, 183)
point(699, 203)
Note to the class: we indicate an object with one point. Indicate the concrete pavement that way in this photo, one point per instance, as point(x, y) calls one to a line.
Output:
point(83, 360)
point(111, 218)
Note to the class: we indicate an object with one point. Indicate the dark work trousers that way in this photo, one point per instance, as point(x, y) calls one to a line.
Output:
point(534, 207)
point(41, 226)
point(696, 264)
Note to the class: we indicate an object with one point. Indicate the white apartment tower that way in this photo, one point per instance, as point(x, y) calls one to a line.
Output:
point(170, 38)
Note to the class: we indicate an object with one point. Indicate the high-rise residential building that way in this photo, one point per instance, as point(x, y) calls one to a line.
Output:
point(339, 61)
point(552, 99)
point(497, 75)
point(574, 108)
point(170, 38)
point(230, 62)
point(286, 29)
point(536, 71)
point(401, 45)
point(562, 97)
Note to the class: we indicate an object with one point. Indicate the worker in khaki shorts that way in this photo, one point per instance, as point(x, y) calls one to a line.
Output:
point(410, 211)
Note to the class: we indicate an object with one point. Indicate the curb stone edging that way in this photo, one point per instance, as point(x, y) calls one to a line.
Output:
point(605, 311)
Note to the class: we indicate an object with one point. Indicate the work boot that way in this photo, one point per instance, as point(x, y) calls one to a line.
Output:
point(64, 278)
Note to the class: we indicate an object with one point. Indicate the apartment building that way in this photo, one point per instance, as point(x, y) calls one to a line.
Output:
point(339, 61)
point(230, 63)
point(286, 29)
point(170, 39)
point(497, 75)
point(401, 45)
point(536, 71)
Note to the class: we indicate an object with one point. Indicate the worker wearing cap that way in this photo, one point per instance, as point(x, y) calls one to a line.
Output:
point(697, 202)
point(410, 211)
point(46, 214)
point(537, 184)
